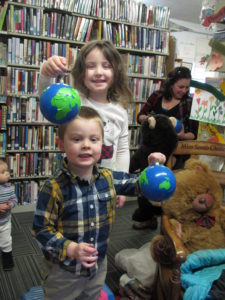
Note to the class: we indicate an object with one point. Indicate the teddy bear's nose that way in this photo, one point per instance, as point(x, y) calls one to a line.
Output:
point(202, 200)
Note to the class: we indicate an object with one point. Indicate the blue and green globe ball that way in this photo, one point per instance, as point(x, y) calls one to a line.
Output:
point(157, 183)
point(60, 103)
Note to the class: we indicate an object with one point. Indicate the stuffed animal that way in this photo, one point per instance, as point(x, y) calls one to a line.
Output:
point(195, 209)
point(158, 135)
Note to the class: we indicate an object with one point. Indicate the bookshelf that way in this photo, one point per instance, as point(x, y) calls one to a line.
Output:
point(34, 30)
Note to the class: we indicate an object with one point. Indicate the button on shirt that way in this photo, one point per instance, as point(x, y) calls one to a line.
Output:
point(71, 209)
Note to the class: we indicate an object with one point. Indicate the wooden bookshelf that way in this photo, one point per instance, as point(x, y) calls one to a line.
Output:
point(33, 31)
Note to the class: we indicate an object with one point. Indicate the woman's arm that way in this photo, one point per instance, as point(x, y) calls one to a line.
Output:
point(148, 107)
point(190, 127)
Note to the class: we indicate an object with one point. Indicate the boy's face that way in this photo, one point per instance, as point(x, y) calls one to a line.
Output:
point(4, 173)
point(82, 144)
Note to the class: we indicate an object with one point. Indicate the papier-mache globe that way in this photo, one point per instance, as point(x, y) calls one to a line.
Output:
point(157, 183)
point(60, 103)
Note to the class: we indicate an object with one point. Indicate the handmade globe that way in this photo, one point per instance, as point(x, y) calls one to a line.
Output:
point(157, 183)
point(60, 103)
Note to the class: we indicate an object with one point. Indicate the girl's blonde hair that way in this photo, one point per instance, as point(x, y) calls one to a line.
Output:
point(119, 91)
point(87, 113)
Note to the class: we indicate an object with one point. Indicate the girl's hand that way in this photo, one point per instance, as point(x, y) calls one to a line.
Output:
point(85, 253)
point(54, 66)
point(156, 157)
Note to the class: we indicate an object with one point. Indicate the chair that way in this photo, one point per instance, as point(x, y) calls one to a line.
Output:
point(167, 279)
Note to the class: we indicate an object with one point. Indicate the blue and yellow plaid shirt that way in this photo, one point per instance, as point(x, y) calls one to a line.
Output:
point(71, 209)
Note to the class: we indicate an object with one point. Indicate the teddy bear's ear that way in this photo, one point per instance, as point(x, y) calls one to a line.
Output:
point(196, 164)
point(152, 122)
point(173, 121)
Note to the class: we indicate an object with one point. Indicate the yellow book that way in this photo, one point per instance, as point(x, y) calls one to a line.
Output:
point(100, 30)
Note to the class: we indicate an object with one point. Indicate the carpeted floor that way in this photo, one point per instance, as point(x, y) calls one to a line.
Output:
point(28, 257)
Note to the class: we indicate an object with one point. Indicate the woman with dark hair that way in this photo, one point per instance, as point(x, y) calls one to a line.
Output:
point(173, 100)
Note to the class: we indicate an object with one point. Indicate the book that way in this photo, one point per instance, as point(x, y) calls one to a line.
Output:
point(3, 116)
point(3, 14)
point(81, 27)
point(1, 143)
point(79, 19)
point(73, 25)
point(85, 29)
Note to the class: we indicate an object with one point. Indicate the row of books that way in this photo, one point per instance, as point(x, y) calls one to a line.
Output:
point(134, 37)
point(134, 137)
point(132, 11)
point(3, 116)
point(25, 20)
point(34, 21)
point(135, 12)
point(2, 143)
point(143, 88)
point(22, 81)
point(24, 110)
point(145, 65)
point(77, 28)
point(33, 164)
point(26, 191)
point(32, 52)
point(67, 26)
point(26, 137)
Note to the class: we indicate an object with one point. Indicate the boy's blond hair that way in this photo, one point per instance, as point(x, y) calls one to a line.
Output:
point(87, 113)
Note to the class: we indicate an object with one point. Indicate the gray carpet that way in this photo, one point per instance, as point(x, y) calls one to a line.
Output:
point(28, 257)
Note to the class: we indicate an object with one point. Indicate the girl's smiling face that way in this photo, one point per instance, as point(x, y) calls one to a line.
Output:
point(99, 75)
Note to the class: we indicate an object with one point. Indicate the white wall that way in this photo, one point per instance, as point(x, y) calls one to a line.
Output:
point(191, 47)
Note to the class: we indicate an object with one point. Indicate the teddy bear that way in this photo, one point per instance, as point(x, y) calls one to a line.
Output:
point(158, 134)
point(196, 215)
point(195, 210)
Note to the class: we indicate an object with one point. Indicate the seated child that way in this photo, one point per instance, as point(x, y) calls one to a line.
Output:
point(76, 210)
point(7, 201)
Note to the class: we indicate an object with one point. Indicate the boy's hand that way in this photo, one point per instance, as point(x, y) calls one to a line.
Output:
point(4, 207)
point(156, 157)
point(85, 253)
point(54, 66)
point(120, 200)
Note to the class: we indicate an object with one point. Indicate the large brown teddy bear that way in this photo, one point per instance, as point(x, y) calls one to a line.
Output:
point(196, 208)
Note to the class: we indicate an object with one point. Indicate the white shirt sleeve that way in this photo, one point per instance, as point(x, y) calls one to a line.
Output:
point(44, 81)
point(123, 152)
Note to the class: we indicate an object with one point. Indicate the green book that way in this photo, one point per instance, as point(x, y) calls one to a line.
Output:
point(3, 14)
